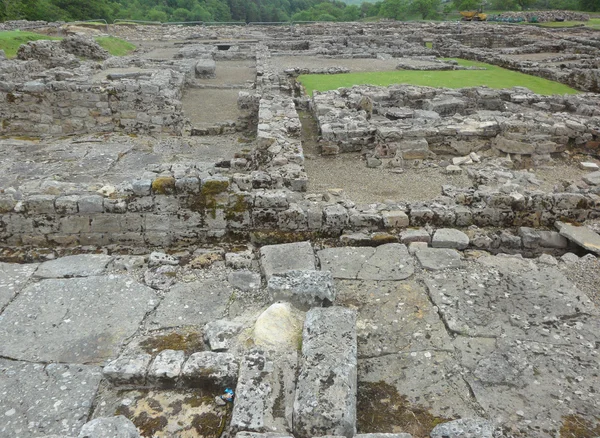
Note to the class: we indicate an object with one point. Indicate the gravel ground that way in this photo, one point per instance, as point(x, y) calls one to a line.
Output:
point(585, 274)
point(208, 107)
point(355, 65)
point(363, 185)
point(232, 72)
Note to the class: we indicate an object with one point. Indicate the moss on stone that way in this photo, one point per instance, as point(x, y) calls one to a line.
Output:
point(190, 342)
point(575, 426)
point(207, 424)
point(277, 236)
point(147, 425)
point(212, 188)
point(381, 409)
point(198, 398)
point(164, 185)
point(236, 211)
point(206, 201)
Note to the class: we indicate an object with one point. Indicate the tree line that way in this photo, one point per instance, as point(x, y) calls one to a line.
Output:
point(262, 10)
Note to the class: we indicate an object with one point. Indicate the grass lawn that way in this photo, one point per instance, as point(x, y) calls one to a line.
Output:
point(11, 40)
point(593, 23)
point(493, 77)
point(115, 46)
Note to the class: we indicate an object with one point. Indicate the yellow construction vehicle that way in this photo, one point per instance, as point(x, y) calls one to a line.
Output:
point(477, 15)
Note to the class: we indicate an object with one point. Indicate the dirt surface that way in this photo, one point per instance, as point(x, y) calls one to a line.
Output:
point(232, 72)
point(208, 107)
point(363, 185)
point(355, 65)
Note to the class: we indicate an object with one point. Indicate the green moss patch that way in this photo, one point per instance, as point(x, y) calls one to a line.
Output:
point(164, 185)
point(380, 409)
point(190, 342)
point(493, 77)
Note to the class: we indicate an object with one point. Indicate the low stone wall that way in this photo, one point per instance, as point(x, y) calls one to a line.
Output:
point(69, 107)
point(457, 122)
point(583, 75)
point(170, 211)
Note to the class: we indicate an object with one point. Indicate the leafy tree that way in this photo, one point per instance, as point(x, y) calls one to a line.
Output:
point(326, 17)
point(157, 15)
point(470, 5)
point(425, 8)
point(351, 13)
point(590, 5)
point(396, 9)
point(181, 14)
point(302, 16)
point(84, 9)
point(199, 13)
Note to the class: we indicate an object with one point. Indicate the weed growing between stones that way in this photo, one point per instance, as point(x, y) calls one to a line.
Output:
point(380, 409)
point(575, 426)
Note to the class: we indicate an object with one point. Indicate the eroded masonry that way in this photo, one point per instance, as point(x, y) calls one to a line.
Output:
point(372, 260)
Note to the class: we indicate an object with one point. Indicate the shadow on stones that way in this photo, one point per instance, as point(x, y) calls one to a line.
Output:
point(380, 409)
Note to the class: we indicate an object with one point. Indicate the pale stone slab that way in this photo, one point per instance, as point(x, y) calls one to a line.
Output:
point(450, 238)
point(38, 400)
point(325, 401)
point(82, 265)
point(109, 427)
point(13, 277)
point(434, 259)
point(195, 303)
point(386, 262)
point(286, 257)
point(74, 320)
point(582, 236)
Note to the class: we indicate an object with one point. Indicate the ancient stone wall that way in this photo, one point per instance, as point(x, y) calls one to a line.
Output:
point(453, 121)
point(68, 107)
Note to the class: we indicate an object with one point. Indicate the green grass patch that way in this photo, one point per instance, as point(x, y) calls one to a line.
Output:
point(115, 46)
point(12, 39)
point(493, 77)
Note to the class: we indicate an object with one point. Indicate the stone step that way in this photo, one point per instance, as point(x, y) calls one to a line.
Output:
point(325, 401)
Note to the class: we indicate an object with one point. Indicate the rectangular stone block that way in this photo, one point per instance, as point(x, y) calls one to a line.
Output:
point(325, 401)
point(264, 393)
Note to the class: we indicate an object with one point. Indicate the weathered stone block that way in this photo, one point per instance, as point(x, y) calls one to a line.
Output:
point(166, 367)
point(91, 204)
point(395, 219)
point(41, 204)
point(325, 401)
point(128, 370)
point(285, 257)
point(206, 68)
point(450, 238)
point(335, 217)
point(218, 334)
point(210, 370)
point(303, 288)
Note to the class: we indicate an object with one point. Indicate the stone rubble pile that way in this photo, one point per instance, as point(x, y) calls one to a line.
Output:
point(544, 16)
